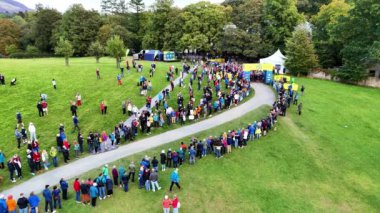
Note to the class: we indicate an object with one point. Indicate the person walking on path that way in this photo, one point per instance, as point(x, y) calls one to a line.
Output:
point(175, 204)
point(48, 199)
point(174, 177)
point(22, 204)
point(76, 186)
point(166, 204)
point(93, 194)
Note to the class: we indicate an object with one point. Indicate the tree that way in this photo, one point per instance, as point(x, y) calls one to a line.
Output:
point(324, 23)
point(64, 48)
point(9, 34)
point(301, 57)
point(138, 7)
point(80, 27)
point(116, 49)
point(45, 22)
point(279, 20)
point(310, 7)
point(10, 49)
point(97, 50)
point(359, 32)
point(203, 25)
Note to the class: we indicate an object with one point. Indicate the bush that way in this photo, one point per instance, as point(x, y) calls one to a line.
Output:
point(2, 56)
point(30, 55)
point(30, 49)
point(10, 49)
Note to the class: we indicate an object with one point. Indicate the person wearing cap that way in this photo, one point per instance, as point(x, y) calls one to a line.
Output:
point(166, 204)
point(34, 202)
point(174, 177)
point(48, 199)
point(163, 160)
point(93, 194)
point(22, 204)
point(11, 204)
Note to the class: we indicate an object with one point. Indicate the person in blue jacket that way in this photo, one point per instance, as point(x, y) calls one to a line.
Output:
point(121, 172)
point(93, 194)
point(3, 204)
point(34, 201)
point(174, 177)
point(48, 199)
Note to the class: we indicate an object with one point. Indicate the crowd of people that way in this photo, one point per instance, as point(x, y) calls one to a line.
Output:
point(87, 192)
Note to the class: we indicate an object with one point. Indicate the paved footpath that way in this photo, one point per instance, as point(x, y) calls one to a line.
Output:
point(263, 96)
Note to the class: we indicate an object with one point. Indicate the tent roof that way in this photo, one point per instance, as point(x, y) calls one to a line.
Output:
point(276, 58)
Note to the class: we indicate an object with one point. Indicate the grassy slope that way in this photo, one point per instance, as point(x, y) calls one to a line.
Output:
point(312, 163)
point(34, 77)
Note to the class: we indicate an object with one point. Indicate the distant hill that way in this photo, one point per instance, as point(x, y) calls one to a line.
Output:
point(11, 6)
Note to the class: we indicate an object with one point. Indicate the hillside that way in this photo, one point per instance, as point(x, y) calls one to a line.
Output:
point(10, 6)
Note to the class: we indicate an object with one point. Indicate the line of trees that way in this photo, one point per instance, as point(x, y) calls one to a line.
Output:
point(345, 33)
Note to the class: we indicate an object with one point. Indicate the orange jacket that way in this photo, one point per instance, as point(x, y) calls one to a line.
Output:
point(11, 204)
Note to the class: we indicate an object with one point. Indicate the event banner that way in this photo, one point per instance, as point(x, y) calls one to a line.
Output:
point(217, 60)
point(250, 67)
point(169, 56)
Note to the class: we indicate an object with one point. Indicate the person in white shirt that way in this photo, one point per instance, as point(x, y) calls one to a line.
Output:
point(32, 132)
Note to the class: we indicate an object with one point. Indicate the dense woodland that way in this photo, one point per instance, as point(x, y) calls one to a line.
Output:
point(343, 34)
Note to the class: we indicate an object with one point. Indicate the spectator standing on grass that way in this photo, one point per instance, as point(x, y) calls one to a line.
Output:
point(73, 109)
point(163, 160)
point(132, 171)
point(3, 204)
point(97, 73)
point(174, 177)
point(40, 110)
point(124, 181)
point(84, 189)
point(18, 137)
point(54, 83)
point(76, 123)
point(22, 204)
point(48, 199)
point(11, 169)
point(57, 197)
point(93, 194)
point(115, 176)
point(34, 202)
point(166, 204)
point(78, 97)
point(11, 204)
point(2, 160)
point(109, 186)
point(175, 204)
point(299, 110)
point(153, 177)
point(32, 132)
point(64, 187)
point(77, 188)
point(53, 155)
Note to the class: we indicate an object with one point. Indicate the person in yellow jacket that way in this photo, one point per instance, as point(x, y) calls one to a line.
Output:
point(53, 155)
point(258, 133)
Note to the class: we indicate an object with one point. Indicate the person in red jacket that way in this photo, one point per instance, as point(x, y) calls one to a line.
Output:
point(175, 204)
point(37, 160)
point(76, 186)
point(166, 204)
point(66, 151)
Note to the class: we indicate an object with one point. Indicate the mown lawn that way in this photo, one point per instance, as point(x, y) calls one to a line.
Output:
point(34, 77)
point(326, 160)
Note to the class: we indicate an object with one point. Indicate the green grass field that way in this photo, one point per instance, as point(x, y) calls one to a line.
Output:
point(326, 160)
point(34, 77)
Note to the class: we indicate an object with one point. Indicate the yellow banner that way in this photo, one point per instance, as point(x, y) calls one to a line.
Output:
point(294, 86)
point(217, 60)
point(250, 67)
point(280, 77)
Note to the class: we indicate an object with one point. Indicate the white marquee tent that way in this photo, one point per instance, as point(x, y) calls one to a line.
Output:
point(277, 59)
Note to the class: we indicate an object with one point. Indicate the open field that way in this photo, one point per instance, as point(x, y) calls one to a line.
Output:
point(323, 161)
point(34, 77)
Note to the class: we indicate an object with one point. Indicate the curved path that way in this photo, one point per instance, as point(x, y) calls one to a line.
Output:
point(263, 96)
